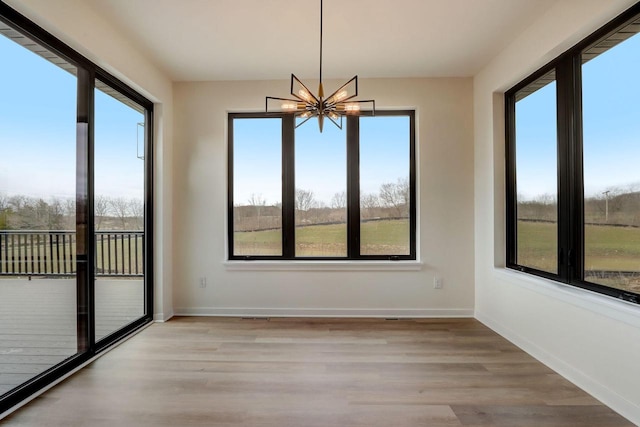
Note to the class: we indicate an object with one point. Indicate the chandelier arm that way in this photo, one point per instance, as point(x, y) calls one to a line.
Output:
point(315, 99)
point(373, 105)
point(294, 101)
point(338, 124)
point(305, 120)
point(333, 98)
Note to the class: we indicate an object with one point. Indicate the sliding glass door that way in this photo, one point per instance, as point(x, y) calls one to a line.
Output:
point(119, 210)
point(75, 209)
point(37, 210)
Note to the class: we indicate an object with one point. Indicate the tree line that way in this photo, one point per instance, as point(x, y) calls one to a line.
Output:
point(19, 212)
point(615, 206)
point(391, 201)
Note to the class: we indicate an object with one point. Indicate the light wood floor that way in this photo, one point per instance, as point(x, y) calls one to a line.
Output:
point(195, 371)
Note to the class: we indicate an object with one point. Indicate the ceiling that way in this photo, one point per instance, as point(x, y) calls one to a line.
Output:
point(196, 40)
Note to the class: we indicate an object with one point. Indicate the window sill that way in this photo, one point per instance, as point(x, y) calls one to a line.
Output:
point(323, 265)
point(611, 307)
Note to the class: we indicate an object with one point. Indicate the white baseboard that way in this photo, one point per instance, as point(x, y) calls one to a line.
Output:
point(162, 317)
point(322, 312)
point(618, 403)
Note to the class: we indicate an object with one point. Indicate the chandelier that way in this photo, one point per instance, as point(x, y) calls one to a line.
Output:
point(306, 105)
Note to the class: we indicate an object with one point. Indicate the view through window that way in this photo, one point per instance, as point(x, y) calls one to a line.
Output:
point(611, 146)
point(385, 189)
point(119, 210)
point(294, 191)
point(37, 211)
point(573, 185)
point(257, 191)
point(321, 191)
point(537, 172)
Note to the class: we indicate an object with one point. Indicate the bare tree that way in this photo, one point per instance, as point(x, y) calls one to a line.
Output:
point(18, 202)
point(69, 209)
point(368, 202)
point(396, 196)
point(257, 200)
point(339, 200)
point(305, 199)
point(545, 199)
point(25, 213)
point(4, 211)
point(18, 213)
point(136, 210)
point(54, 214)
point(120, 208)
point(101, 206)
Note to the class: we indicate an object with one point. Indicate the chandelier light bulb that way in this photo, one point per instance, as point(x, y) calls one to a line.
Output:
point(304, 95)
point(337, 97)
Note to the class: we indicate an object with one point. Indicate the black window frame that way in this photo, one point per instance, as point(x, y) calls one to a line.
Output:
point(87, 73)
point(568, 72)
point(353, 190)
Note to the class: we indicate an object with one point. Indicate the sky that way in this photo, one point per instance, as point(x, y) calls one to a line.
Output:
point(37, 137)
point(611, 135)
point(320, 158)
point(38, 132)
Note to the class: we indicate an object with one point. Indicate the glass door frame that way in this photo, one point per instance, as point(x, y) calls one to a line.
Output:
point(85, 230)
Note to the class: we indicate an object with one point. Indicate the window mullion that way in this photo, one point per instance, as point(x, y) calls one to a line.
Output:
point(85, 232)
point(576, 214)
point(353, 187)
point(288, 187)
point(569, 180)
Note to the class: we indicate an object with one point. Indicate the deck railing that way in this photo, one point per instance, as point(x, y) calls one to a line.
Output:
point(53, 253)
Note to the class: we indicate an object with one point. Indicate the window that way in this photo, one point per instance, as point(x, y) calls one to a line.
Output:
point(75, 209)
point(257, 219)
point(573, 185)
point(536, 161)
point(296, 193)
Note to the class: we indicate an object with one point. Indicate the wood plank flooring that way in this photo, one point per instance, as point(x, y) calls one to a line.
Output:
point(229, 372)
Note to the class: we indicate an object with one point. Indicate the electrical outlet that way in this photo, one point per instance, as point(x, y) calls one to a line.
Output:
point(203, 282)
point(437, 283)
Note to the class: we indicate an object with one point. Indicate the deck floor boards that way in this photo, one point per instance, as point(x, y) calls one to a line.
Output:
point(38, 321)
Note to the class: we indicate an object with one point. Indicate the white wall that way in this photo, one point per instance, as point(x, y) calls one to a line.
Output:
point(444, 128)
point(590, 339)
point(79, 26)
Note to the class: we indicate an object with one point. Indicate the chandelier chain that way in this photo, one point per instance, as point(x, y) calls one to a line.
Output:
point(321, 41)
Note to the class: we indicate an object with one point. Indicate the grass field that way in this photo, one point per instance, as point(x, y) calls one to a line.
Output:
point(606, 249)
point(377, 238)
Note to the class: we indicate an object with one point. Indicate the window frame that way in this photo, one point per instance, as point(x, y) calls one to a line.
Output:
point(568, 71)
point(353, 190)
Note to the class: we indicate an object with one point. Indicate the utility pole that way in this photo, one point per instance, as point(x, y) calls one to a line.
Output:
point(606, 205)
